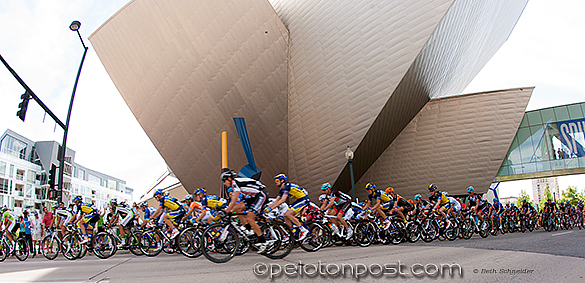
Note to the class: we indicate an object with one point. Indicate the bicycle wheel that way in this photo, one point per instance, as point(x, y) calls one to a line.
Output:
point(364, 233)
point(21, 249)
point(50, 247)
point(314, 240)
point(219, 243)
point(484, 229)
point(281, 239)
point(412, 232)
point(104, 245)
point(4, 249)
point(134, 243)
point(190, 243)
point(70, 246)
point(469, 225)
point(151, 243)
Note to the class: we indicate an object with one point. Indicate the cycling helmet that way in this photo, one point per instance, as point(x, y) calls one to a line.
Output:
point(495, 200)
point(524, 200)
point(410, 201)
point(78, 198)
point(4, 208)
point(325, 186)
point(281, 177)
point(322, 197)
point(389, 190)
point(113, 201)
point(158, 192)
point(203, 191)
point(580, 201)
point(144, 204)
point(549, 200)
point(432, 187)
point(417, 196)
point(513, 204)
point(228, 174)
point(470, 189)
point(566, 202)
point(370, 186)
point(188, 198)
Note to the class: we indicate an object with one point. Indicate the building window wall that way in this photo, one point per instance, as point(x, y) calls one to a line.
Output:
point(14, 147)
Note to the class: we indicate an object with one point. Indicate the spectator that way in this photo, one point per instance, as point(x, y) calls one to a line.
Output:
point(37, 232)
point(47, 219)
point(25, 227)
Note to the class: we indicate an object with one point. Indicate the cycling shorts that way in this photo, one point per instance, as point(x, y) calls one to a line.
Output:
point(254, 204)
point(343, 207)
point(445, 205)
point(299, 204)
point(387, 205)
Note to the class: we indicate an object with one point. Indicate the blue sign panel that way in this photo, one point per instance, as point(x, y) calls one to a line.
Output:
point(573, 137)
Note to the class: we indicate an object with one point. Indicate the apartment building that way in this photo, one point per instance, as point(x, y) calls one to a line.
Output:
point(24, 166)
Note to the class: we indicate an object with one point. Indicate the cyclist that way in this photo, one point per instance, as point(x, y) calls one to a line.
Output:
point(455, 206)
point(338, 205)
point(477, 202)
point(87, 215)
point(9, 223)
point(401, 205)
point(63, 216)
point(193, 209)
point(419, 205)
point(383, 203)
point(209, 206)
point(257, 197)
point(441, 203)
point(174, 211)
point(127, 215)
point(496, 211)
point(301, 197)
point(148, 212)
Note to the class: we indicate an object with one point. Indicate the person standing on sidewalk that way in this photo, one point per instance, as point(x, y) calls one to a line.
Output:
point(25, 224)
point(37, 232)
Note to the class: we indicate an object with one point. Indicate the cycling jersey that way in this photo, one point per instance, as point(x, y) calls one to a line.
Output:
point(475, 199)
point(126, 213)
point(248, 186)
point(87, 208)
point(379, 195)
point(439, 195)
point(454, 204)
point(171, 203)
point(9, 217)
point(213, 202)
point(65, 214)
point(295, 191)
point(148, 212)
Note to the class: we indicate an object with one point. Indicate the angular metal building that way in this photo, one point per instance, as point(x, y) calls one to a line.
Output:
point(311, 78)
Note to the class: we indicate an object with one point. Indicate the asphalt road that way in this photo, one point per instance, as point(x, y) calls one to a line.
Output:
point(530, 257)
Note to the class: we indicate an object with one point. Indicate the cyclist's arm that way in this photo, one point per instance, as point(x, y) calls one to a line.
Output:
point(233, 201)
point(330, 204)
point(278, 201)
point(157, 213)
point(377, 205)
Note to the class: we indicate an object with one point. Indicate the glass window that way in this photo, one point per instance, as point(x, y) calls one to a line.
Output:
point(2, 168)
point(94, 179)
point(524, 122)
point(575, 111)
point(548, 115)
point(81, 174)
point(5, 186)
point(534, 118)
point(14, 147)
point(112, 184)
point(562, 113)
point(31, 176)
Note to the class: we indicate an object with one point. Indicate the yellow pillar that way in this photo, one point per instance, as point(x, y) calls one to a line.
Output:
point(224, 150)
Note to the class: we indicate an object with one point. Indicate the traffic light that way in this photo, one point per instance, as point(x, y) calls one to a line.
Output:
point(52, 174)
point(22, 106)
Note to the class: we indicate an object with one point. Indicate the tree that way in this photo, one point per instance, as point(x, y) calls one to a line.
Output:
point(571, 195)
point(523, 196)
point(547, 195)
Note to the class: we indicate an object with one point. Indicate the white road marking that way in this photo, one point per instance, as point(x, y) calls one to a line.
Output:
point(562, 233)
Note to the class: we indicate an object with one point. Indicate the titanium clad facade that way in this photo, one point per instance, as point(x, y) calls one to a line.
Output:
point(454, 142)
point(309, 77)
point(359, 71)
point(186, 68)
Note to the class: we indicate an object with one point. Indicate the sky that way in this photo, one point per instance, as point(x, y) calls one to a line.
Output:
point(545, 50)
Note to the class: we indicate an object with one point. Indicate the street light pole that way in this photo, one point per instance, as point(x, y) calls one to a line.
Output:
point(349, 157)
point(75, 25)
